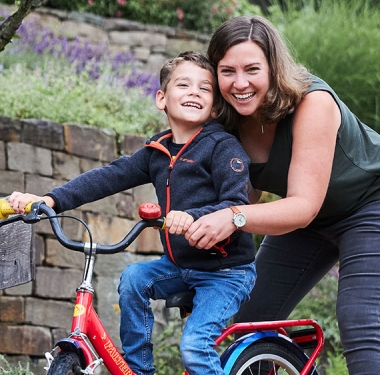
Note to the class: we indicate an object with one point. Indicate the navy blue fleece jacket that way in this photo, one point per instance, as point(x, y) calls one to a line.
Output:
point(209, 173)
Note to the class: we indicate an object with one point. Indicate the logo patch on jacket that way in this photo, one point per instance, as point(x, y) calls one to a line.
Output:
point(237, 165)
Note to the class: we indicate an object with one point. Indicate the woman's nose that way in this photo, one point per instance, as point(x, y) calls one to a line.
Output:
point(241, 81)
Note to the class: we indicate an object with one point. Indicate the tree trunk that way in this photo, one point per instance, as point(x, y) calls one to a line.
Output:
point(9, 27)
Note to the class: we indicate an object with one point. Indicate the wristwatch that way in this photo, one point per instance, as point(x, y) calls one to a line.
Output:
point(239, 218)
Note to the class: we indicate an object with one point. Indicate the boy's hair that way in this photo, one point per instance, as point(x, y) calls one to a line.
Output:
point(194, 57)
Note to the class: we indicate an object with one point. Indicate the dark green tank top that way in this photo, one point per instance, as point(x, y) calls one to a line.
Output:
point(355, 174)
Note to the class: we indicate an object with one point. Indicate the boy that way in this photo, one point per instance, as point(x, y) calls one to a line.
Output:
point(196, 168)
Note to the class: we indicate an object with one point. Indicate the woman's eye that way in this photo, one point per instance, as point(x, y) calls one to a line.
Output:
point(226, 71)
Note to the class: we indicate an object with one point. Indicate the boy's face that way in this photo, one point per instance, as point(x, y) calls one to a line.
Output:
point(189, 95)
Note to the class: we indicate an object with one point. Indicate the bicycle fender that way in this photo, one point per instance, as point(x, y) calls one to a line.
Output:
point(230, 355)
point(78, 347)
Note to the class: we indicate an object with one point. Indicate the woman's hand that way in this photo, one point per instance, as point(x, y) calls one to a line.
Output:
point(18, 201)
point(211, 229)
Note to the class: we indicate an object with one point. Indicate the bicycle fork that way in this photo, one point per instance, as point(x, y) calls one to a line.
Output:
point(89, 339)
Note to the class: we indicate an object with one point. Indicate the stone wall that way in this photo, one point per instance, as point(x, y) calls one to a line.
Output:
point(150, 44)
point(36, 156)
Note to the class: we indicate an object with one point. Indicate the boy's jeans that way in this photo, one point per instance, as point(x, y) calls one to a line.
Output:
point(219, 295)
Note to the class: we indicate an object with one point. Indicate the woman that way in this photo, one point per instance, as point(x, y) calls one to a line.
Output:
point(307, 147)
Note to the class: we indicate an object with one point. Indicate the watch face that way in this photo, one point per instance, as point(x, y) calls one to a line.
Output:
point(240, 220)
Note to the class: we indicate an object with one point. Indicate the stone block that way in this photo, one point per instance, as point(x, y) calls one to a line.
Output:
point(42, 133)
point(57, 283)
point(142, 53)
point(155, 62)
point(73, 229)
point(106, 205)
point(2, 156)
point(65, 166)
point(10, 129)
point(90, 142)
point(137, 38)
point(125, 205)
point(149, 242)
point(10, 182)
point(60, 333)
point(131, 143)
point(88, 164)
point(26, 340)
point(12, 309)
point(30, 159)
point(175, 46)
point(58, 256)
point(20, 290)
point(40, 249)
point(50, 313)
point(40, 185)
point(82, 31)
point(108, 230)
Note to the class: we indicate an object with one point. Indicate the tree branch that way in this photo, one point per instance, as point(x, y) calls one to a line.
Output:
point(9, 27)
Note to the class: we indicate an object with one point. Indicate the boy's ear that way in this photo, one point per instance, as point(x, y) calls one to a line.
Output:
point(214, 112)
point(160, 100)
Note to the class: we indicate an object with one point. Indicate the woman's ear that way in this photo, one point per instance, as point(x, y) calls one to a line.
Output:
point(160, 100)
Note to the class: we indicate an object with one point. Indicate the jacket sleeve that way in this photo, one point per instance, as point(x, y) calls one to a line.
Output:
point(230, 174)
point(123, 173)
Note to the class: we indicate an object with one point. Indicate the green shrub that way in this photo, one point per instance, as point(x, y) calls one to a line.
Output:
point(57, 93)
point(339, 41)
point(202, 16)
point(6, 368)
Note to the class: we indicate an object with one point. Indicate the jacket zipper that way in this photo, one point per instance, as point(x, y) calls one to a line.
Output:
point(157, 144)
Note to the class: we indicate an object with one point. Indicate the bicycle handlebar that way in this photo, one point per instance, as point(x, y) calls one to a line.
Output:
point(149, 219)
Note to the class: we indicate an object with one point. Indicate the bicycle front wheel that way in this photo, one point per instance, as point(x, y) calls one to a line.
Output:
point(264, 358)
point(65, 363)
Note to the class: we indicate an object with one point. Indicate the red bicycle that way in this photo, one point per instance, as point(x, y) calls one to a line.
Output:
point(275, 347)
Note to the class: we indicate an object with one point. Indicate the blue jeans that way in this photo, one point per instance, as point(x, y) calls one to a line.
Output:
point(288, 266)
point(218, 297)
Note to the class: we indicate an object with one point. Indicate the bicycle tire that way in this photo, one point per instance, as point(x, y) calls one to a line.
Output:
point(263, 358)
point(65, 363)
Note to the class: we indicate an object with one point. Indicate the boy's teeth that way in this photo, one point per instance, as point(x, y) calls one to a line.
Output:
point(192, 105)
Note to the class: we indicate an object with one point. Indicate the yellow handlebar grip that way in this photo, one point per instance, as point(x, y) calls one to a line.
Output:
point(6, 209)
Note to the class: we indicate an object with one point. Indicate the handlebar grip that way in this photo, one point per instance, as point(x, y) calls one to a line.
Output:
point(6, 209)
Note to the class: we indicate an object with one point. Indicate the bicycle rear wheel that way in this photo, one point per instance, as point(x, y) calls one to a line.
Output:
point(267, 358)
point(65, 363)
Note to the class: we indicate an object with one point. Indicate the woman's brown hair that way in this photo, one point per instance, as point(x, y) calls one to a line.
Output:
point(288, 79)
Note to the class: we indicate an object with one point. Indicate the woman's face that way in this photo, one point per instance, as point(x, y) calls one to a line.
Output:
point(243, 75)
